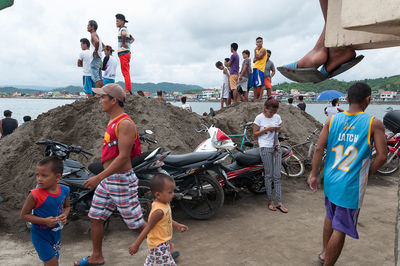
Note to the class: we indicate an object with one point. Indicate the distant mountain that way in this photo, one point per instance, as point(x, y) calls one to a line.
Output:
point(386, 83)
point(150, 87)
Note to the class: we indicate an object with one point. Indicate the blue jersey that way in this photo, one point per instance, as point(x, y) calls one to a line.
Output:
point(348, 158)
point(47, 240)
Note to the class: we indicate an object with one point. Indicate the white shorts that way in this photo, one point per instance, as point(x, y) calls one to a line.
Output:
point(243, 83)
point(225, 91)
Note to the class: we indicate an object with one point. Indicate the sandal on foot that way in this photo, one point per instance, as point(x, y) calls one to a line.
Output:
point(321, 260)
point(342, 68)
point(301, 75)
point(271, 207)
point(281, 208)
point(85, 261)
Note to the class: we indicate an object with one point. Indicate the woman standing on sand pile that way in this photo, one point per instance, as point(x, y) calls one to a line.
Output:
point(266, 127)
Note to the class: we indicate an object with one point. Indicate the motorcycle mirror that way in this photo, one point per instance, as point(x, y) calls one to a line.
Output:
point(148, 131)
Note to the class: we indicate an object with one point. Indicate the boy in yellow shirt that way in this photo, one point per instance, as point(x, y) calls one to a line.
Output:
point(159, 227)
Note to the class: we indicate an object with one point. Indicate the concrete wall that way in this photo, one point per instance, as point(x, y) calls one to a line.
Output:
point(337, 36)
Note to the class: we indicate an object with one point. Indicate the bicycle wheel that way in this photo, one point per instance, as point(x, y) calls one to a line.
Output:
point(391, 165)
point(292, 166)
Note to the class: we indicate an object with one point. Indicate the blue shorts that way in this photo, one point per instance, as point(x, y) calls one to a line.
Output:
point(46, 242)
point(106, 81)
point(250, 81)
point(343, 219)
point(88, 84)
point(258, 78)
point(95, 68)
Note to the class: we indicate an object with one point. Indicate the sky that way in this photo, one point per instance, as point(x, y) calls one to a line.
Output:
point(176, 40)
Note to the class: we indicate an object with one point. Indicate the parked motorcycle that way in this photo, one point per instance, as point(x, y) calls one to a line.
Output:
point(247, 169)
point(75, 174)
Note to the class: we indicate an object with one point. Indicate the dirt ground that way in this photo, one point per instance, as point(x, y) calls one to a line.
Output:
point(244, 232)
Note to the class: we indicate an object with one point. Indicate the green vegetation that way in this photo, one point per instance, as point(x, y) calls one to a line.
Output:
point(386, 83)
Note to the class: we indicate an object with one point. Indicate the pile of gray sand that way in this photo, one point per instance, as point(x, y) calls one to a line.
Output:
point(83, 123)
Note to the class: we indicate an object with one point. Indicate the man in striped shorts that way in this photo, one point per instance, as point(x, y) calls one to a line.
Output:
point(116, 187)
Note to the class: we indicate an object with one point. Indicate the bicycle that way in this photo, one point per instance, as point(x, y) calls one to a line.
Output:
point(294, 166)
point(247, 139)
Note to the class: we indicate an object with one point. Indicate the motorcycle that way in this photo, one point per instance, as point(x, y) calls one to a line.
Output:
point(393, 155)
point(75, 174)
point(247, 169)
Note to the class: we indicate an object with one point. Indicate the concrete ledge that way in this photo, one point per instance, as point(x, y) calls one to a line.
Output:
point(376, 16)
point(337, 36)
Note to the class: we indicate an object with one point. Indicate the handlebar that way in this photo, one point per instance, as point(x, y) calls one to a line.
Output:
point(55, 146)
point(146, 139)
point(203, 130)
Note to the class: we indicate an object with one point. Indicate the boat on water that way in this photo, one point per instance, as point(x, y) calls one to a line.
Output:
point(388, 109)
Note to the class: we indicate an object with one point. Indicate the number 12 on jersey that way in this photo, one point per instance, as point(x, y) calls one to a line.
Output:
point(344, 159)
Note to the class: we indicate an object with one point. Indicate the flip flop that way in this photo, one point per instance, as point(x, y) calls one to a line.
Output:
point(273, 207)
point(85, 261)
point(279, 207)
point(342, 68)
point(321, 260)
point(301, 75)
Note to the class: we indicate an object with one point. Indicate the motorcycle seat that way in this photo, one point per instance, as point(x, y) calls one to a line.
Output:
point(189, 158)
point(249, 157)
point(97, 167)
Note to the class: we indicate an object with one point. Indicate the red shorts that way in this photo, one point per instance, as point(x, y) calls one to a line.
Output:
point(267, 83)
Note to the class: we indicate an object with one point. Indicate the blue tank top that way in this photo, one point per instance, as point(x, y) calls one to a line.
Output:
point(48, 204)
point(348, 158)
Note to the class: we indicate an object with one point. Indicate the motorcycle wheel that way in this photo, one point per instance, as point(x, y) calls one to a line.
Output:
point(292, 166)
point(145, 197)
point(389, 167)
point(257, 187)
point(207, 198)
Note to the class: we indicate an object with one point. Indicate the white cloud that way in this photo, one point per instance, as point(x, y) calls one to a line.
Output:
point(176, 41)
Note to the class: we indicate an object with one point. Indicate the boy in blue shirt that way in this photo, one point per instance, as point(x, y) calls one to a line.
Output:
point(348, 137)
point(50, 205)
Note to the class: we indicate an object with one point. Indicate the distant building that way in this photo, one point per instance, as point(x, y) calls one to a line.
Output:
point(387, 95)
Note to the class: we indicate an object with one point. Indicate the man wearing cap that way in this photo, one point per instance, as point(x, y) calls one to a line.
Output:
point(124, 50)
point(7, 124)
point(116, 187)
point(109, 66)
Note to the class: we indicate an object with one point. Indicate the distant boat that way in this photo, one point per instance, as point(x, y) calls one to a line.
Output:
point(389, 109)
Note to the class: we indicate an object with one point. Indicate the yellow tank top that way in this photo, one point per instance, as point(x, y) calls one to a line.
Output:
point(260, 64)
point(162, 231)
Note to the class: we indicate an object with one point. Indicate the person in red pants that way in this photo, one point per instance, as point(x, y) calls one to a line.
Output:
point(124, 50)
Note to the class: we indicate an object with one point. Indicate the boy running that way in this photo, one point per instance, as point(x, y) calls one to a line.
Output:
point(50, 205)
point(85, 58)
point(159, 228)
point(260, 58)
point(348, 138)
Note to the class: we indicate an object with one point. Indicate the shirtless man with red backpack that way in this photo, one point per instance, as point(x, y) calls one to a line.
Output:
point(116, 186)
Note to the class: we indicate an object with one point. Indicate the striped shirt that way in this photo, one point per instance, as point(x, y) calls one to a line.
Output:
point(123, 50)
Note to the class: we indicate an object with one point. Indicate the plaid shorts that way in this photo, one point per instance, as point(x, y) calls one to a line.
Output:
point(160, 255)
point(118, 191)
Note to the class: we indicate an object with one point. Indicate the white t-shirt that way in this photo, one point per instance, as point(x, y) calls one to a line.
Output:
point(331, 110)
point(111, 68)
point(186, 107)
point(267, 139)
point(86, 57)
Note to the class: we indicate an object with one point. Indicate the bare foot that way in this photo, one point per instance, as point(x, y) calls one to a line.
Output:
point(338, 56)
point(314, 59)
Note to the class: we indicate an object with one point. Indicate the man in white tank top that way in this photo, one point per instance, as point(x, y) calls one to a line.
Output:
point(97, 49)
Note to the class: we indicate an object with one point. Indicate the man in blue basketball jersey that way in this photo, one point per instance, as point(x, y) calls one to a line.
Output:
point(348, 138)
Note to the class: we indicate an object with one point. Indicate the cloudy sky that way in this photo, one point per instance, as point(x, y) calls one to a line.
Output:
point(176, 40)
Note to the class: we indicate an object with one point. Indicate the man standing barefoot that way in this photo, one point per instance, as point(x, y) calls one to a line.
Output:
point(117, 185)
point(124, 50)
point(348, 137)
point(97, 51)
point(260, 58)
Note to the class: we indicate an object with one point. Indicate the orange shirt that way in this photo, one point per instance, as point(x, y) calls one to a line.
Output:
point(162, 231)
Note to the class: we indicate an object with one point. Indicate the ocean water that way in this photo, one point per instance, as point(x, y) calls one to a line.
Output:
point(34, 107)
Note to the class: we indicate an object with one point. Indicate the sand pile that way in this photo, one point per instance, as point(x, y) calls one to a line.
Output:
point(83, 123)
